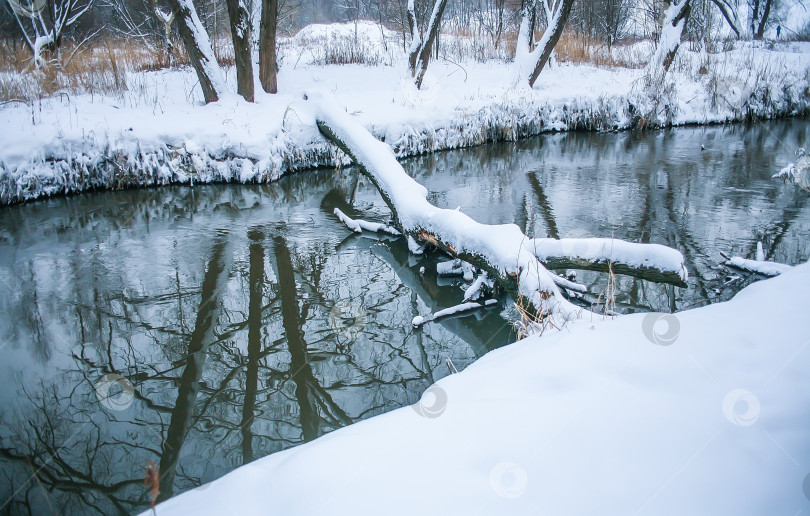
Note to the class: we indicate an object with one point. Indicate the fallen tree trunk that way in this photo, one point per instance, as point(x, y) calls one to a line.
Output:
point(501, 250)
point(651, 262)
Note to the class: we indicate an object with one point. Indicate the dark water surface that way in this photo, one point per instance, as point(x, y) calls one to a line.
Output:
point(203, 328)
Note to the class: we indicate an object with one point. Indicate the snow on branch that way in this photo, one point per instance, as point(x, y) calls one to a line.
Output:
point(672, 31)
point(758, 266)
point(420, 320)
point(501, 250)
point(653, 262)
point(797, 173)
point(201, 54)
point(530, 62)
point(358, 225)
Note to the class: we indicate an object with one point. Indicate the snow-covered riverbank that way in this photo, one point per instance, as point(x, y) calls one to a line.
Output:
point(158, 133)
point(701, 412)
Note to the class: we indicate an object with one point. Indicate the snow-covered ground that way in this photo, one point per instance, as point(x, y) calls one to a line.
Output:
point(158, 132)
point(701, 412)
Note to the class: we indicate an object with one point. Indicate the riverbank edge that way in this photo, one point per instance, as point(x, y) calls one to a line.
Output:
point(115, 166)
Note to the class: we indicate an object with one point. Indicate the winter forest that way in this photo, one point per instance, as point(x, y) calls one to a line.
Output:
point(480, 257)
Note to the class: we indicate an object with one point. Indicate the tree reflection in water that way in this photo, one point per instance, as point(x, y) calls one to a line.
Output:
point(223, 306)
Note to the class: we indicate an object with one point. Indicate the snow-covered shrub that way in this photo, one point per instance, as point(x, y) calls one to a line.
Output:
point(653, 99)
point(362, 42)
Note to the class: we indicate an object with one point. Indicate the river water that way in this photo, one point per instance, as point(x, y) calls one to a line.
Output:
point(203, 328)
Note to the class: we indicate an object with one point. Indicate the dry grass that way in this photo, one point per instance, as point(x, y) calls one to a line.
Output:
point(100, 67)
point(574, 48)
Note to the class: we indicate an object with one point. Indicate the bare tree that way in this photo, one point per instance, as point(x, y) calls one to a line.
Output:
point(241, 36)
point(145, 20)
point(530, 56)
point(422, 41)
point(43, 22)
point(612, 17)
point(198, 47)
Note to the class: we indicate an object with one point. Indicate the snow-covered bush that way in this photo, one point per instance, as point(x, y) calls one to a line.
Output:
point(362, 42)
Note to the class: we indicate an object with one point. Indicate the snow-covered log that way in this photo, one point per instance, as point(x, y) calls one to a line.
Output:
point(758, 266)
point(569, 285)
point(501, 250)
point(359, 225)
point(456, 268)
point(652, 262)
point(420, 320)
point(198, 47)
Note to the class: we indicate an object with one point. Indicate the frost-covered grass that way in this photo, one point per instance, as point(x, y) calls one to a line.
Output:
point(157, 131)
point(701, 412)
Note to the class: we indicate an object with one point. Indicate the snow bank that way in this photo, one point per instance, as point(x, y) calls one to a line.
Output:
point(157, 133)
point(700, 412)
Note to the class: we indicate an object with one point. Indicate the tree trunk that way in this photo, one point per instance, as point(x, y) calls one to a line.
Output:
point(199, 50)
point(267, 46)
point(673, 27)
point(503, 251)
point(550, 38)
point(763, 20)
point(432, 34)
point(416, 40)
point(167, 35)
point(240, 33)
